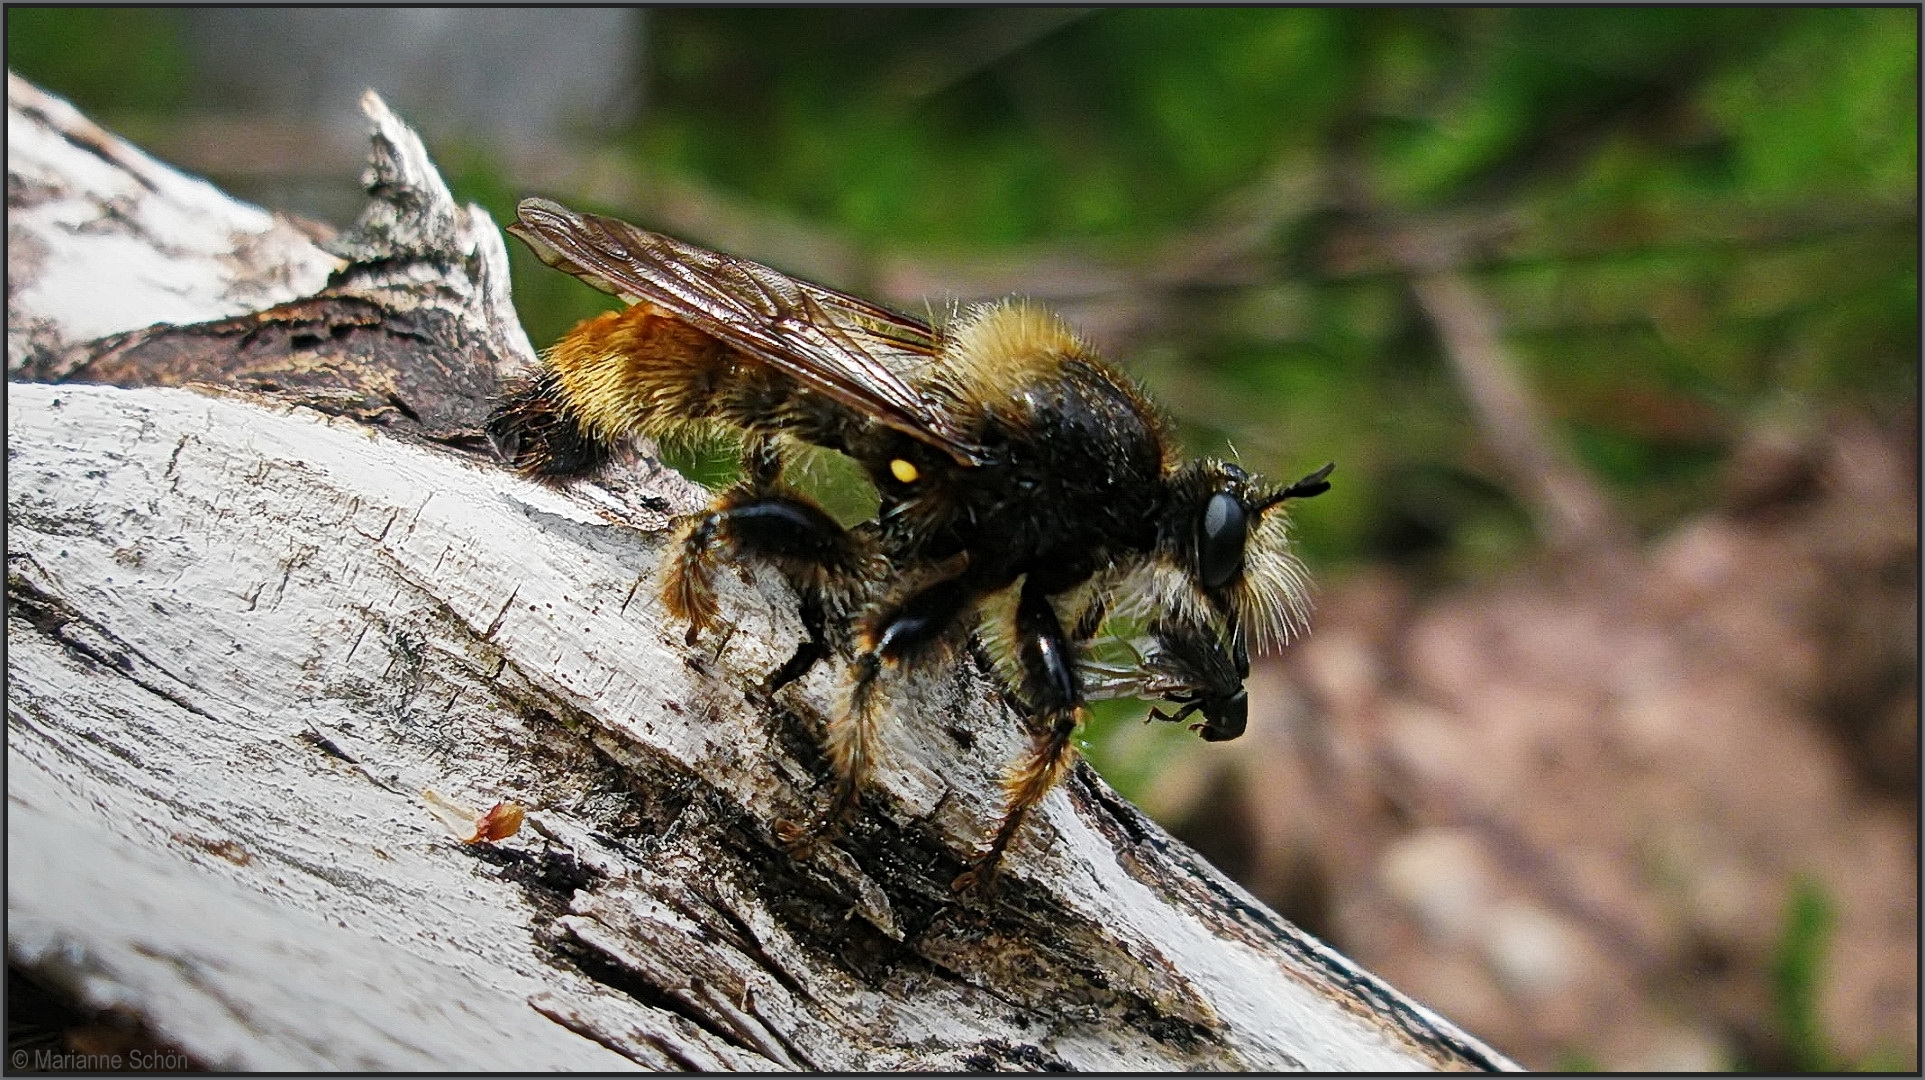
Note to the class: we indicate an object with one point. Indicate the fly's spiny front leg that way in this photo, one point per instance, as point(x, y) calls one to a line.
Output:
point(807, 655)
point(688, 590)
point(1054, 695)
point(761, 517)
point(895, 636)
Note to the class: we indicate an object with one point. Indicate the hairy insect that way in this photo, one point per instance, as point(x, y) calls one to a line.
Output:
point(1025, 491)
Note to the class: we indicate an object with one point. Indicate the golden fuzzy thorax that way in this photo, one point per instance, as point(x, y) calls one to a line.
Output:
point(996, 350)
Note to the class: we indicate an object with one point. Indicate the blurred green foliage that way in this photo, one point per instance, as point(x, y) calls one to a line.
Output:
point(1798, 963)
point(113, 62)
point(1797, 974)
point(1796, 980)
point(1715, 212)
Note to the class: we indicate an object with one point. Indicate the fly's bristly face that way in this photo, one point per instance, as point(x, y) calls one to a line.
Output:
point(1025, 492)
point(1223, 558)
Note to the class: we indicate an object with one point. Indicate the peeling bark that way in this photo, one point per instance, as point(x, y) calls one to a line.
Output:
point(264, 591)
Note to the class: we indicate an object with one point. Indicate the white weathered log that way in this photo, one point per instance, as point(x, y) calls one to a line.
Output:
point(244, 638)
point(103, 239)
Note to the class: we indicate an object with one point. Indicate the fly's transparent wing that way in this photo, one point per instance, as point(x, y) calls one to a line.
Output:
point(838, 345)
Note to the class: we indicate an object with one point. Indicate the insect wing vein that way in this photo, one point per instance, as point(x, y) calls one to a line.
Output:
point(829, 341)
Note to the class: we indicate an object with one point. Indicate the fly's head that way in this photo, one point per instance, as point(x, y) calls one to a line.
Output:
point(1222, 581)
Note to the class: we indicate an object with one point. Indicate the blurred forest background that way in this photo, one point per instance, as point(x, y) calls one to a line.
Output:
point(1605, 740)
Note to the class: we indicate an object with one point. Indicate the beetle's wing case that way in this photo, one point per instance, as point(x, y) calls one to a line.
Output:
point(841, 346)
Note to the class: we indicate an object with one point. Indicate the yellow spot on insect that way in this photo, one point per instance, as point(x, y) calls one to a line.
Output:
point(903, 471)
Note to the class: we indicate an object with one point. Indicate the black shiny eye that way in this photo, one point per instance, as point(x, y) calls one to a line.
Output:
point(1219, 539)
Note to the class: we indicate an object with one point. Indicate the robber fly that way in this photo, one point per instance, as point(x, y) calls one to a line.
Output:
point(1024, 490)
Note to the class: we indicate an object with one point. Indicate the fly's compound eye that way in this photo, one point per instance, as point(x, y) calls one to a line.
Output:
point(1219, 539)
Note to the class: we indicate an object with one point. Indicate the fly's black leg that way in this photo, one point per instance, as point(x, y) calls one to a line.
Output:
point(1054, 694)
point(1202, 672)
point(758, 517)
point(901, 633)
point(898, 634)
point(1090, 621)
point(810, 652)
point(787, 529)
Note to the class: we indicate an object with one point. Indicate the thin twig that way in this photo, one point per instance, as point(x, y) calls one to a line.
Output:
point(1572, 513)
